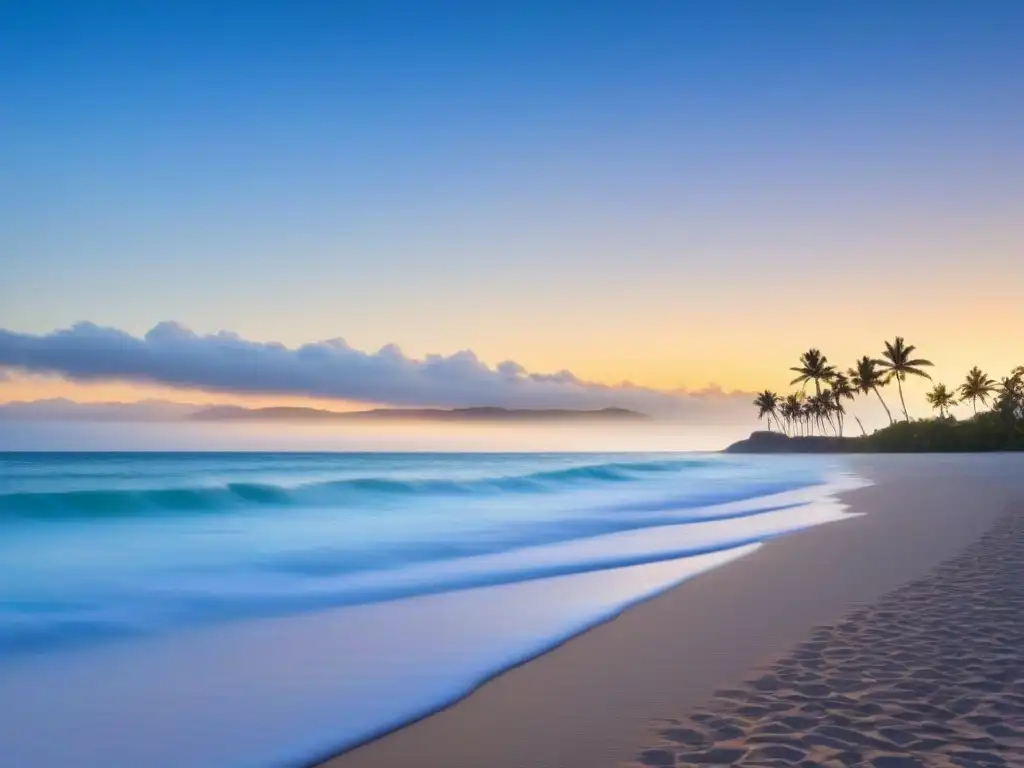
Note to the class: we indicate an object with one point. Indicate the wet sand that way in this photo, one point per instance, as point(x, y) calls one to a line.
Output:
point(861, 603)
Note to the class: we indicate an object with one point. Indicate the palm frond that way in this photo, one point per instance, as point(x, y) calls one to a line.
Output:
point(916, 372)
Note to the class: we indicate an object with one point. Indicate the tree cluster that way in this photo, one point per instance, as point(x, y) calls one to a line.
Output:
point(824, 412)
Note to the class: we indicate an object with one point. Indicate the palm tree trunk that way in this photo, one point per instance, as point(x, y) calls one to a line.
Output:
point(862, 430)
point(887, 413)
point(903, 402)
point(974, 402)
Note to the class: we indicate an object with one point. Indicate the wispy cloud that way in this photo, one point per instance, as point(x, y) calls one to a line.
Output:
point(171, 354)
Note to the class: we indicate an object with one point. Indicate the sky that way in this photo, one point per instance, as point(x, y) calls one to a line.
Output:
point(682, 196)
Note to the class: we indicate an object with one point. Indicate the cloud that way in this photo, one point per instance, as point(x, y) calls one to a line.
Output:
point(171, 354)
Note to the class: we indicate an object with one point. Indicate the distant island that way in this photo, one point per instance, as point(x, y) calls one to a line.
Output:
point(60, 409)
point(480, 414)
point(803, 423)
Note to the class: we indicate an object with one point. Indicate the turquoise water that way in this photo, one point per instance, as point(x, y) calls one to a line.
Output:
point(131, 564)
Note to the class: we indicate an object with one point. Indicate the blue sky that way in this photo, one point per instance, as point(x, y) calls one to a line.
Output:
point(672, 193)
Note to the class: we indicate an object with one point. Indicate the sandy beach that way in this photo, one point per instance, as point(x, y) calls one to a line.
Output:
point(895, 638)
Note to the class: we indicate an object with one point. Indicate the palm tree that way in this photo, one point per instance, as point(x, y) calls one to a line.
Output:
point(830, 405)
point(898, 363)
point(792, 410)
point(977, 386)
point(941, 399)
point(813, 367)
point(767, 403)
point(843, 390)
point(1010, 398)
point(865, 377)
point(819, 408)
point(807, 414)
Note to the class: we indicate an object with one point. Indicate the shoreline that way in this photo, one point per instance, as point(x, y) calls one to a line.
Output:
point(328, 760)
point(585, 702)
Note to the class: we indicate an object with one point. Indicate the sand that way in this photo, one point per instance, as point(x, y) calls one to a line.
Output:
point(892, 639)
point(931, 674)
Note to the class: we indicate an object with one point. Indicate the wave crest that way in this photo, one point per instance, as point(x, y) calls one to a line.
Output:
point(335, 493)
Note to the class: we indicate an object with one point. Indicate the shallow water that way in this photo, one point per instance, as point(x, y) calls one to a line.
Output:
point(318, 599)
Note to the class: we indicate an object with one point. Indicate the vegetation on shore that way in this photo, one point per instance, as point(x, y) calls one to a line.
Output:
point(818, 420)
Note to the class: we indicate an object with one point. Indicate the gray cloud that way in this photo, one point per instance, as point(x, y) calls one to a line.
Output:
point(171, 354)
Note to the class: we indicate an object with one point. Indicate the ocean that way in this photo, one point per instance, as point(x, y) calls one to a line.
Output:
point(257, 609)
